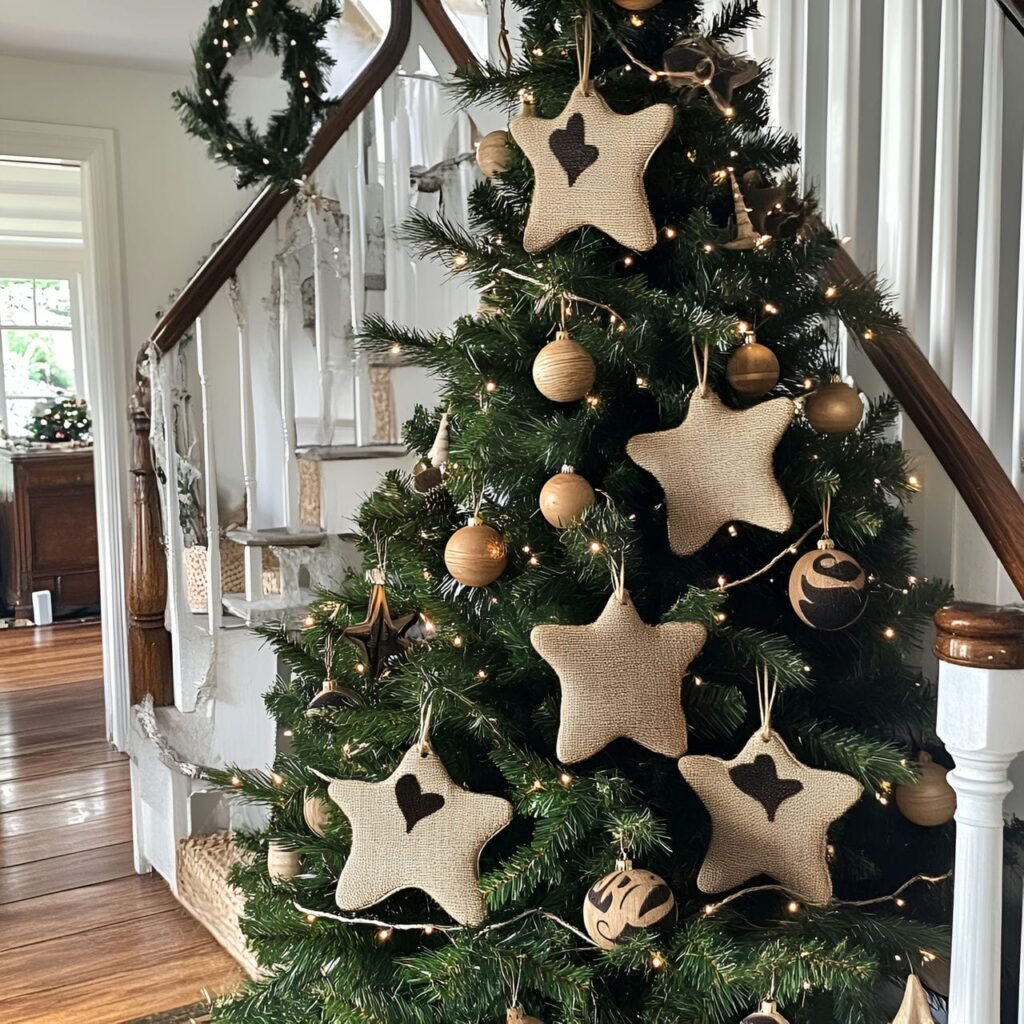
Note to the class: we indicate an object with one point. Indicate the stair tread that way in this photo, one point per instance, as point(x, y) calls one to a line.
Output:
point(277, 536)
point(342, 452)
point(270, 609)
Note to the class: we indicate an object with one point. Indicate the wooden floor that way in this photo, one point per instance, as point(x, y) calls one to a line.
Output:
point(83, 939)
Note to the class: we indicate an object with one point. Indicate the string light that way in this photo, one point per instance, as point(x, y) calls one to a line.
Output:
point(732, 531)
point(641, 382)
point(900, 901)
point(698, 681)
point(309, 621)
point(395, 349)
point(383, 934)
point(457, 641)
point(593, 401)
point(596, 547)
point(490, 387)
point(360, 668)
point(310, 918)
point(708, 247)
point(460, 260)
point(831, 291)
point(889, 633)
point(869, 335)
point(657, 961)
point(481, 673)
point(770, 308)
point(565, 779)
point(288, 733)
point(538, 51)
point(722, 581)
point(913, 482)
point(670, 232)
point(636, 21)
point(277, 780)
point(628, 261)
point(533, 560)
point(428, 929)
point(235, 781)
point(793, 907)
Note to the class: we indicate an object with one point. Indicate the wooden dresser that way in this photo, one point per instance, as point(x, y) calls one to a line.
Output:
point(48, 529)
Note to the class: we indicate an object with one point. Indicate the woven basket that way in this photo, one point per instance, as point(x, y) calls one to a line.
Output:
point(204, 863)
point(232, 573)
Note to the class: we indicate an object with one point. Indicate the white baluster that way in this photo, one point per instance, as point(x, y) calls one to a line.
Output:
point(253, 555)
point(984, 369)
point(843, 129)
point(213, 579)
point(790, 67)
point(942, 333)
point(898, 213)
point(325, 372)
point(290, 480)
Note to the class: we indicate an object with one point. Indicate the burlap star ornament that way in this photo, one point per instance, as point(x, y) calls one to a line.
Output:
point(589, 165)
point(417, 830)
point(770, 815)
point(716, 466)
point(620, 677)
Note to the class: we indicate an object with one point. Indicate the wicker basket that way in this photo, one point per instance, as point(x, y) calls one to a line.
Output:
point(232, 573)
point(204, 863)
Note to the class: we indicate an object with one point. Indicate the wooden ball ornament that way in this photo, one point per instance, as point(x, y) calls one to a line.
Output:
point(565, 497)
point(931, 800)
point(315, 812)
point(331, 696)
point(475, 555)
point(283, 862)
point(637, 5)
point(834, 408)
point(767, 1014)
point(563, 370)
point(828, 589)
point(517, 1015)
point(752, 369)
point(625, 903)
point(492, 155)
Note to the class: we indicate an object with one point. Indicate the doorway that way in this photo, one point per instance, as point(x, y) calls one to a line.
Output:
point(102, 371)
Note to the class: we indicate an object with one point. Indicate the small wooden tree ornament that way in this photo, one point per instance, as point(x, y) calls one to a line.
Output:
point(752, 369)
point(834, 408)
point(493, 154)
point(565, 497)
point(746, 235)
point(914, 1009)
point(476, 555)
point(930, 801)
point(283, 862)
point(563, 370)
point(767, 1014)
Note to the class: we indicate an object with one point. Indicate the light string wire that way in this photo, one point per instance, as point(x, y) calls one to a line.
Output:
point(789, 549)
point(551, 294)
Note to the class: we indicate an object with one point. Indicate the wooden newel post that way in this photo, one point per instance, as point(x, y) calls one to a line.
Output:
point(981, 721)
point(149, 643)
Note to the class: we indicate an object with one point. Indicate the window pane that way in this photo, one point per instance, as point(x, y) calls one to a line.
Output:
point(38, 362)
point(53, 303)
point(16, 301)
point(19, 412)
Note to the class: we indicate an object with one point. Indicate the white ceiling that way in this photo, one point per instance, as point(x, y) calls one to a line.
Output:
point(127, 33)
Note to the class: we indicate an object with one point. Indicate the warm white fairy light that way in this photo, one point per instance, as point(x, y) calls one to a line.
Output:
point(460, 260)
point(428, 929)
point(277, 780)
point(793, 907)
point(383, 934)
point(593, 401)
point(287, 733)
point(670, 232)
point(235, 781)
point(395, 349)
point(457, 641)
point(770, 308)
point(481, 673)
point(831, 291)
point(657, 961)
point(360, 668)
point(490, 387)
point(641, 382)
point(628, 261)
point(732, 531)
point(596, 547)
point(889, 633)
point(708, 247)
point(565, 779)
point(636, 21)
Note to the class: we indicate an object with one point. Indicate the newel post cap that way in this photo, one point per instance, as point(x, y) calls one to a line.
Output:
point(980, 635)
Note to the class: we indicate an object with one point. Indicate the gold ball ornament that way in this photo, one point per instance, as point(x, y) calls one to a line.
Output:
point(752, 369)
point(563, 370)
point(315, 812)
point(834, 408)
point(517, 1015)
point(767, 1014)
point(475, 555)
point(625, 903)
point(565, 497)
point(637, 5)
point(283, 862)
point(492, 155)
point(828, 588)
point(931, 800)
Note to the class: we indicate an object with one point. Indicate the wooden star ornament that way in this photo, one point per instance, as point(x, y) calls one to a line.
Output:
point(716, 466)
point(915, 1008)
point(379, 639)
point(770, 815)
point(588, 164)
point(417, 830)
point(620, 677)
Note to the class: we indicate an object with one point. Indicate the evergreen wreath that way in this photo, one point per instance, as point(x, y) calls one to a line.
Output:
point(277, 26)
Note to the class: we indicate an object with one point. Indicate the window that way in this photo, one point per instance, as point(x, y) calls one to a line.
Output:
point(38, 342)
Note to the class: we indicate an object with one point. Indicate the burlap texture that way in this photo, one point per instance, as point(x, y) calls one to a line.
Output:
point(435, 848)
point(716, 467)
point(620, 677)
point(605, 185)
point(785, 838)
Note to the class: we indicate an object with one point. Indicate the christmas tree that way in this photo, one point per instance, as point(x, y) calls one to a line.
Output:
point(59, 421)
point(637, 635)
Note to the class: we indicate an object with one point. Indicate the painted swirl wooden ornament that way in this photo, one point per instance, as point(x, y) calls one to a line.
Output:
point(565, 497)
point(834, 408)
point(930, 801)
point(828, 589)
point(626, 902)
point(767, 1014)
point(476, 555)
point(564, 370)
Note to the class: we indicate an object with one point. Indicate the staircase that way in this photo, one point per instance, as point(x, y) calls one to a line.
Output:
point(915, 145)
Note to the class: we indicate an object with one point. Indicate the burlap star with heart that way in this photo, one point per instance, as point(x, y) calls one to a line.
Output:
point(620, 677)
point(770, 815)
point(716, 466)
point(417, 830)
point(589, 165)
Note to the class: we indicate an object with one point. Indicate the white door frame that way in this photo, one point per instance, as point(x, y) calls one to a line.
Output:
point(106, 374)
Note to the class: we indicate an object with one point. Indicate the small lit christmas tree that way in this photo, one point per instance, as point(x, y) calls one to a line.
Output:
point(60, 421)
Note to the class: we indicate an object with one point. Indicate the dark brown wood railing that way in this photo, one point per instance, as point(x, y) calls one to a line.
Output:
point(1014, 10)
point(149, 651)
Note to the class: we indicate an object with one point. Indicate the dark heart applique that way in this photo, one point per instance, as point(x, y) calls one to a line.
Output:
point(414, 804)
point(570, 150)
point(761, 781)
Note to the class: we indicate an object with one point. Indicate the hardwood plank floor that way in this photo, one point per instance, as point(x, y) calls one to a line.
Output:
point(69, 897)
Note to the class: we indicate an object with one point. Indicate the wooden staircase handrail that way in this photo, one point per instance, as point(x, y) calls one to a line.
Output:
point(961, 451)
point(1014, 10)
point(216, 271)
